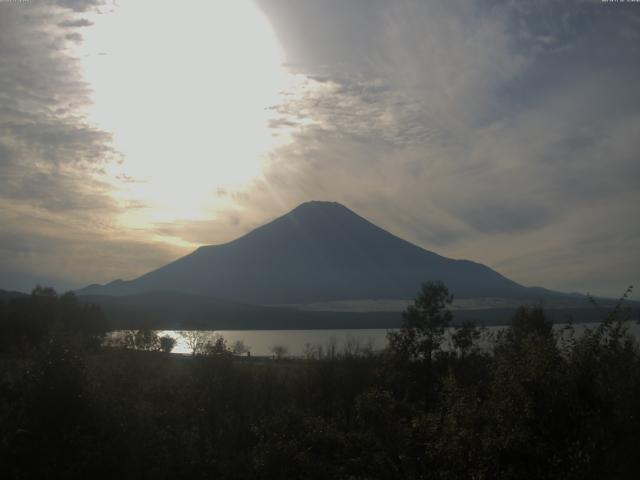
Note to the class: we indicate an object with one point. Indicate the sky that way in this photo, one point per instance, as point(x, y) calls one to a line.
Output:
point(505, 132)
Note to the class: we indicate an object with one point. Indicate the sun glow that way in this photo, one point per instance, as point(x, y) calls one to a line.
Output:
point(185, 87)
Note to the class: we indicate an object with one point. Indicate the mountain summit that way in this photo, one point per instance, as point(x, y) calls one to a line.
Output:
point(319, 251)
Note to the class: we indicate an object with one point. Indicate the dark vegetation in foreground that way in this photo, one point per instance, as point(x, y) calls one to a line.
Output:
point(532, 406)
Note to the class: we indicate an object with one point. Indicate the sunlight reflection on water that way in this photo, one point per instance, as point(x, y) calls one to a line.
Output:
point(297, 342)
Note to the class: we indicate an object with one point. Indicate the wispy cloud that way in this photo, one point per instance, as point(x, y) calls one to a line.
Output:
point(505, 132)
point(57, 210)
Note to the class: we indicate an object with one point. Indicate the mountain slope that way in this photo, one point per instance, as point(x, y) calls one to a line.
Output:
point(177, 311)
point(319, 251)
point(6, 295)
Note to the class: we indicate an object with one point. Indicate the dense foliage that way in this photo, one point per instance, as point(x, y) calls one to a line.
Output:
point(532, 404)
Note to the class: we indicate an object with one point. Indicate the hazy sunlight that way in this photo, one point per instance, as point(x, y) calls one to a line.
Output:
point(185, 89)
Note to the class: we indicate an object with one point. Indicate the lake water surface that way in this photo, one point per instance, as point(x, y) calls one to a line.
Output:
point(299, 342)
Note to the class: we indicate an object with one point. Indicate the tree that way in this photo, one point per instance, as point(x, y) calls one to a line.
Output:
point(279, 351)
point(464, 338)
point(147, 339)
point(423, 324)
point(28, 320)
point(167, 343)
point(239, 348)
point(217, 347)
point(413, 347)
point(195, 340)
point(528, 321)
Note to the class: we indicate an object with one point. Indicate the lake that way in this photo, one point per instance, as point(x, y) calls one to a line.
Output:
point(298, 342)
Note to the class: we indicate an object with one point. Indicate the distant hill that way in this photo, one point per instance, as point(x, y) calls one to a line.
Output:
point(6, 295)
point(175, 311)
point(320, 251)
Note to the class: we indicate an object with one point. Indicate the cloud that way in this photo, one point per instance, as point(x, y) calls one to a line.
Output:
point(80, 5)
point(56, 203)
point(45, 249)
point(80, 22)
point(505, 132)
point(50, 160)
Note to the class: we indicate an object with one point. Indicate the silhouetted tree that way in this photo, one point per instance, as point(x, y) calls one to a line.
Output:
point(419, 339)
point(424, 324)
point(279, 351)
point(147, 339)
point(195, 340)
point(239, 348)
point(464, 337)
point(531, 321)
point(29, 319)
point(217, 347)
point(167, 343)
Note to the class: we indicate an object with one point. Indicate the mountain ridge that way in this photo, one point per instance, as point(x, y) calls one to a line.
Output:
point(319, 251)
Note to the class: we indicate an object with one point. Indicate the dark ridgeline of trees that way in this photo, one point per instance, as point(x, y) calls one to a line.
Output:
point(26, 321)
point(536, 404)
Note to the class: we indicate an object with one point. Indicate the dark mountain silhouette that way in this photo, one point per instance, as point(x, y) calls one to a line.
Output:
point(8, 295)
point(177, 311)
point(319, 251)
